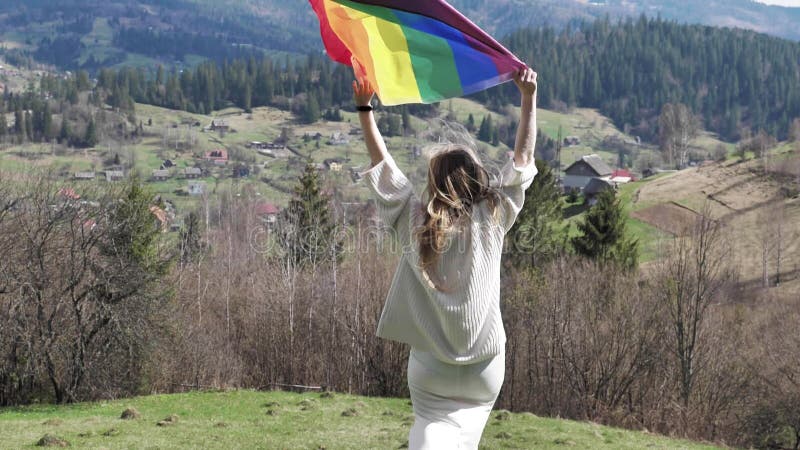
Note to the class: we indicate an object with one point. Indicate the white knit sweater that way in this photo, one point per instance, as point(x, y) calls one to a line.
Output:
point(462, 325)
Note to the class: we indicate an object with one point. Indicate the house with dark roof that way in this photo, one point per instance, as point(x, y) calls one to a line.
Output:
point(219, 125)
point(581, 172)
point(595, 187)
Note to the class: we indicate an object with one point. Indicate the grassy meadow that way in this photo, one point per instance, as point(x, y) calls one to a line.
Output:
point(282, 420)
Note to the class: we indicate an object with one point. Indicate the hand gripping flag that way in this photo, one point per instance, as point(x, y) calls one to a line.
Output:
point(413, 51)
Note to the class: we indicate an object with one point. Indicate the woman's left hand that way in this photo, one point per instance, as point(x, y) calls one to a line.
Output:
point(362, 92)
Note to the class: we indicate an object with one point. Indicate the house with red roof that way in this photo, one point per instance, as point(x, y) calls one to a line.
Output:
point(267, 212)
point(218, 156)
point(622, 176)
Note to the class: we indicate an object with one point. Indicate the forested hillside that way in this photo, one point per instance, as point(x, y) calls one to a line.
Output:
point(90, 34)
point(85, 34)
point(732, 79)
point(629, 71)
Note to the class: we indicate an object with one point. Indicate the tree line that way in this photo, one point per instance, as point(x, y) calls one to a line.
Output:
point(58, 109)
point(629, 70)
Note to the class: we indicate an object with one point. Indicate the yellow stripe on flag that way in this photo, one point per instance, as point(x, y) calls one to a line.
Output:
point(381, 46)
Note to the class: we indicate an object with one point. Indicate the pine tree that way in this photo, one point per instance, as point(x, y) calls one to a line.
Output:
point(485, 130)
point(536, 236)
point(90, 139)
point(407, 127)
point(65, 134)
point(190, 243)
point(394, 125)
point(133, 233)
point(306, 229)
point(19, 122)
point(47, 122)
point(602, 234)
point(28, 123)
point(471, 123)
point(311, 110)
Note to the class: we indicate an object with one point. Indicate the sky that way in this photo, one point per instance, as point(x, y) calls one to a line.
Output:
point(794, 3)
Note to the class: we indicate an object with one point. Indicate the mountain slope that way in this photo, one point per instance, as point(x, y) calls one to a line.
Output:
point(92, 34)
point(502, 16)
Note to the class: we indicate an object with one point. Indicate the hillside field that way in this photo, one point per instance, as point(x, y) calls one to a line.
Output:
point(282, 420)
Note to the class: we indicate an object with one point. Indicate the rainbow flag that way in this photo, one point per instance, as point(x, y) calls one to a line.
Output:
point(413, 51)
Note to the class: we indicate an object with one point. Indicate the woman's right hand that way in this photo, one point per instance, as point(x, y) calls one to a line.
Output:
point(525, 80)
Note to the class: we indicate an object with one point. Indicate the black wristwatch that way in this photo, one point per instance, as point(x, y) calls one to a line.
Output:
point(364, 108)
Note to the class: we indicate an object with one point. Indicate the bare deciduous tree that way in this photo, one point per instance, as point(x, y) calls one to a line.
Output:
point(690, 279)
point(78, 283)
point(677, 127)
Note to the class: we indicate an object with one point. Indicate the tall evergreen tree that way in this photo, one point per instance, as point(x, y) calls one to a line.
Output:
point(311, 110)
point(602, 234)
point(306, 228)
point(485, 130)
point(190, 243)
point(470, 123)
point(28, 124)
point(538, 236)
point(47, 122)
point(64, 135)
point(19, 122)
point(90, 139)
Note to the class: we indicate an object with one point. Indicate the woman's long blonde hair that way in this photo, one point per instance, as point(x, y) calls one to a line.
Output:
point(456, 182)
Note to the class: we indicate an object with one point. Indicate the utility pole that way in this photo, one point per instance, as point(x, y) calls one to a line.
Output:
point(559, 141)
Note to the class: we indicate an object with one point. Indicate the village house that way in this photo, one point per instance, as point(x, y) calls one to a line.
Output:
point(622, 176)
point(196, 187)
point(84, 175)
point(582, 171)
point(160, 174)
point(334, 164)
point(338, 138)
point(595, 187)
point(114, 175)
point(257, 145)
point(267, 212)
point(219, 125)
point(219, 157)
point(192, 172)
point(241, 171)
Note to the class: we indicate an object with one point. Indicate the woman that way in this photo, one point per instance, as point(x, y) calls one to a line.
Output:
point(444, 300)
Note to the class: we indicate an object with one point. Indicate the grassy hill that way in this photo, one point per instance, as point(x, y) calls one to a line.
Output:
point(248, 419)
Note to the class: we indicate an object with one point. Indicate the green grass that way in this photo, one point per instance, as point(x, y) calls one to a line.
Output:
point(241, 419)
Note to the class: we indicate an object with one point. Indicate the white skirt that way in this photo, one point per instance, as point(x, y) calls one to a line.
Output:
point(451, 402)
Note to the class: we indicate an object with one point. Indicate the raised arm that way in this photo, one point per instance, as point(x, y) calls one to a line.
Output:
point(526, 131)
point(362, 94)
